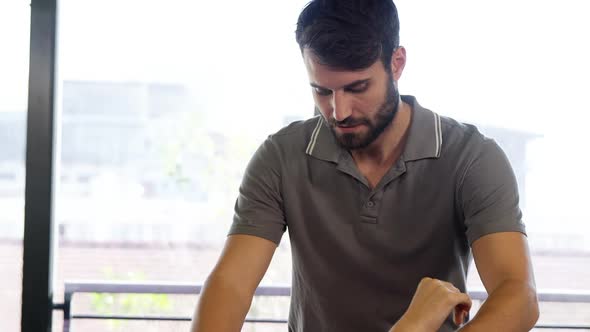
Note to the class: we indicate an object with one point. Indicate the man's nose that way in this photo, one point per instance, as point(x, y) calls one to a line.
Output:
point(341, 108)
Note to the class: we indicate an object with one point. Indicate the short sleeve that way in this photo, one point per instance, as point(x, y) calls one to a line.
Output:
point(259, 206)
point(489, 194)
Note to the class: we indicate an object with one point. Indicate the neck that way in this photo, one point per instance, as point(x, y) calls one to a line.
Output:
point(386, 149)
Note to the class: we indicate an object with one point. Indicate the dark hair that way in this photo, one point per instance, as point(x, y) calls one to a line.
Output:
point(349, 34)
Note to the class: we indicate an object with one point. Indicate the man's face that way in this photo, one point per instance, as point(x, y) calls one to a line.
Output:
point(358, 105)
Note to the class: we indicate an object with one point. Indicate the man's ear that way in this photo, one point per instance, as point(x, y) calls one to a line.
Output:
point(398, 62)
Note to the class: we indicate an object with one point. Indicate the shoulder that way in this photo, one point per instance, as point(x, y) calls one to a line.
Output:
point(295, 136)
point(467, 151)
point(301, 128)
point(463, 138)
point(455, 131)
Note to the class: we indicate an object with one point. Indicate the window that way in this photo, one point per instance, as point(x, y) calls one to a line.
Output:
point(164, 103)
point(518, 70)
point(159, 119)
point(14, 34)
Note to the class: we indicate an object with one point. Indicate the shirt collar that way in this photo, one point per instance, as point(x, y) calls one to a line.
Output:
point(425, 133)
point(322, 143)
point(424, 136)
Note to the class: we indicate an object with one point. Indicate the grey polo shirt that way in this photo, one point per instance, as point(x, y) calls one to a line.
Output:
point(359, 253)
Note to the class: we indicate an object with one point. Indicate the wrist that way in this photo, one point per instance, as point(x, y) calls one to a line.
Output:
point(407, 325)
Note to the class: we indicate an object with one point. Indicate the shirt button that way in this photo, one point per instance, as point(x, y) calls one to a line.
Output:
point(370, 204)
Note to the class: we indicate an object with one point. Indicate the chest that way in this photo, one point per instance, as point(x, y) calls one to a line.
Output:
point(407, 199)
point(410, 221)
point(373, 174)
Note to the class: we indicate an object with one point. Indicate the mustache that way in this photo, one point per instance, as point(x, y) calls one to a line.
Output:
point(348, 122)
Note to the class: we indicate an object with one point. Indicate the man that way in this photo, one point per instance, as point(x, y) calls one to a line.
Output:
point(384, 200)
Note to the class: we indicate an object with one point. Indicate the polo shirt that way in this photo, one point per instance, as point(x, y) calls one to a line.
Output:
point(359, 252)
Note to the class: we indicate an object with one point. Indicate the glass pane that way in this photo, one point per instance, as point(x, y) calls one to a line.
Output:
point(164, 105)
point(14, 69)
point(159, 119)
point(519, 71)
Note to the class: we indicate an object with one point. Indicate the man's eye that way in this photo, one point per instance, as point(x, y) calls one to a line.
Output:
point(358, 89)
point(322, 92)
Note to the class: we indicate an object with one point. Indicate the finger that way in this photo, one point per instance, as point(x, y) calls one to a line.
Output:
point(426, 282)
point(450, 286)
point(464, 307)
point(457, 316)
point(459, 301)
point(460, 313)
point(465, 302)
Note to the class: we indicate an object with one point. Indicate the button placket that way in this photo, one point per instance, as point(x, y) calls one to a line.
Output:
point(370, 208)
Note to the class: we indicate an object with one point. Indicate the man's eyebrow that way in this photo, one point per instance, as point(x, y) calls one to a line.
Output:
point(347, 86)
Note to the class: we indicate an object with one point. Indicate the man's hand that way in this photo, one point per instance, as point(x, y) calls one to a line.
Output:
point(432, 303)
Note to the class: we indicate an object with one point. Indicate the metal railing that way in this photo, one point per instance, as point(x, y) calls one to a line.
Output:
point(72, 287)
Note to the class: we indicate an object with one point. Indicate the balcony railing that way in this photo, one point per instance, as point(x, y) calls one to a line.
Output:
point(72, 288)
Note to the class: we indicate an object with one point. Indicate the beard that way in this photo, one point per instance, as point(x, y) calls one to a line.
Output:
point(376, 126)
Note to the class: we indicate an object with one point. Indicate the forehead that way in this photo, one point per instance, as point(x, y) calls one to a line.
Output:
point(331, 77)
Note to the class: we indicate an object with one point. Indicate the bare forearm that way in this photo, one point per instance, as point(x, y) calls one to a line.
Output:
point(221, 308)
point(403, 326)
point(511, 307)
